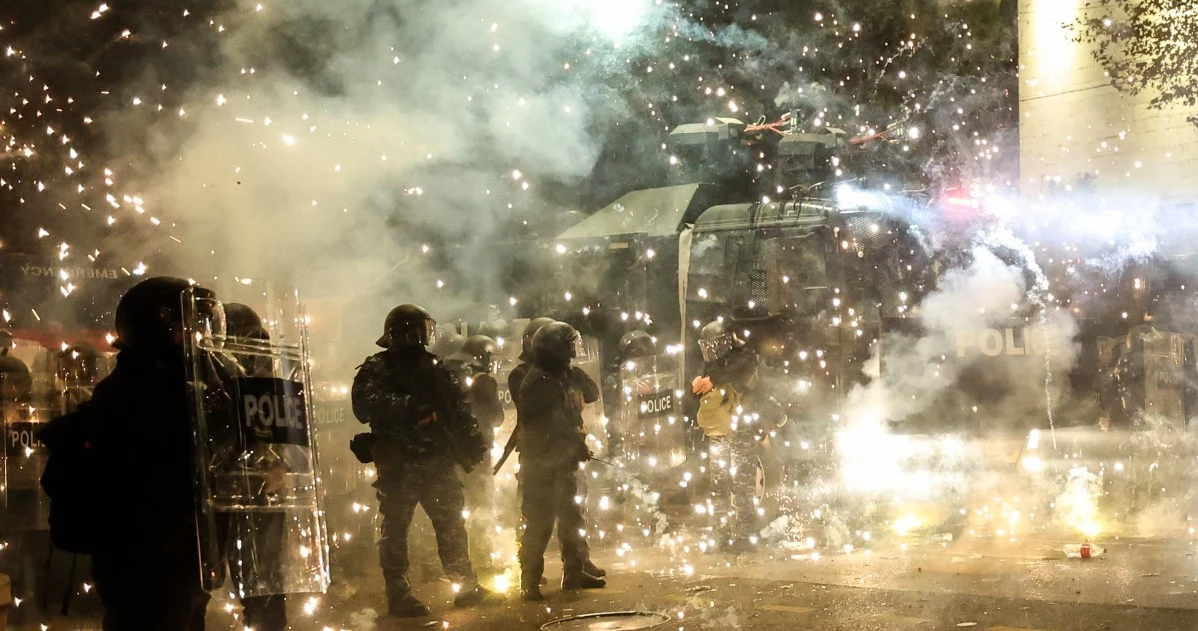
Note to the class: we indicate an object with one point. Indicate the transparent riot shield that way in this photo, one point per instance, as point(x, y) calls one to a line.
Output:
point(261, 510)
point(1162, 381)
point(650, 419)
point(25, 507)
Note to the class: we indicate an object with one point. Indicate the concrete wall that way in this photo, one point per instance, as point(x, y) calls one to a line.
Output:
point(1073, 123)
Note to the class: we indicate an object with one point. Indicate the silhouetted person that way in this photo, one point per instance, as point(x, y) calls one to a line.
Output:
point(138, 430)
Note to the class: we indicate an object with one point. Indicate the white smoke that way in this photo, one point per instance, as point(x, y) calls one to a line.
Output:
point(326, 145)
point(986, 294)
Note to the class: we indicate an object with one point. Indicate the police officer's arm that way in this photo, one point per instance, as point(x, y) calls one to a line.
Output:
point(590, 389)
point(515, 379)
point(473, 443)
point(484, 401)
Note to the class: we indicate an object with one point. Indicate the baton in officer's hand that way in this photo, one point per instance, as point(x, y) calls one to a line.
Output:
point(601, 461)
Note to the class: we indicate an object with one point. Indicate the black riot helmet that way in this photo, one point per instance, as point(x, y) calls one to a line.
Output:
point(16, 383)
point(150, 315)
point(637, 344)
point(717, 341)
point(526, 352)
point(480, 349)
point(408, 326)
point(242, 321)
point(246, 325)
point(78, 364)
point(555, 344)
point(495, 329)
point(448, 343)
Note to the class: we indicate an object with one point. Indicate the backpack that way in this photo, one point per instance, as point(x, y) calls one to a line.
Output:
point(716, 409)
point(70, 480)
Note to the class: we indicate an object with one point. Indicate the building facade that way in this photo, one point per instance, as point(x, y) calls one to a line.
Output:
point(1076, 130)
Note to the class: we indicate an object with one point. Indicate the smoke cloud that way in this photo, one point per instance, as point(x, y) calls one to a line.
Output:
point(339, 148)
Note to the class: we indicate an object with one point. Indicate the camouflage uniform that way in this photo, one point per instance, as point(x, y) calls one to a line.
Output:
point(733, 455)
point(733, 462)
point(422, 426)
point(552, 445)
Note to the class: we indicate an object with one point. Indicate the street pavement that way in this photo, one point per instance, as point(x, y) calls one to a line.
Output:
point(990, 585)
point(1028, 585)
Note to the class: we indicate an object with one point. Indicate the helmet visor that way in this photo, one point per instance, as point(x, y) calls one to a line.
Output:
point(210, 322)
point(716, 348)
point(431, 333)
point(416, 333)
point(576, 349)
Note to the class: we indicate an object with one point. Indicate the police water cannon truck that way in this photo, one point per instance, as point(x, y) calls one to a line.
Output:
point(823, 273)
point(809, 273)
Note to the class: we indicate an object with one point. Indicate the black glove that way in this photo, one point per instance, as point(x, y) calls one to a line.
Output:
point(478, 451)
point(363, 447)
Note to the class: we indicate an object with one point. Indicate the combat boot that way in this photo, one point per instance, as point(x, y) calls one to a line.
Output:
point(532, 594)
point(470, 596)
point(582, 580)
point(407, 607)
point(590, 568)
point(400, 601)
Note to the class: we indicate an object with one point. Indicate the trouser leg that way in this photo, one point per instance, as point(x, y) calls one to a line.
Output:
point(265, 541)
point(539, 510)
point(443, 502)
point(397, 504)
point(156, 587)
point(746, 458)
point(719, 467)
point(571, 523)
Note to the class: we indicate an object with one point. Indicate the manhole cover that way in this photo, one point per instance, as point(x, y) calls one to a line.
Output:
point(610, 621)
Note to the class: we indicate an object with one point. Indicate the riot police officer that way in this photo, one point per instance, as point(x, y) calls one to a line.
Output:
point(515, 378)
point(553, 446)
point(590, 394)
point(633, 345)
point(21, 506)
point(734, 421)
point(76, 371)
point(266, 531)
point(421, 427)
point(482, 391)
point(245, 324)
point(146, 557)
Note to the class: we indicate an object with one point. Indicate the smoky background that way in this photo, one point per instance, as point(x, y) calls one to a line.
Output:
point(374, 153)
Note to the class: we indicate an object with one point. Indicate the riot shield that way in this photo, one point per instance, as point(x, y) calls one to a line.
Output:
point(1160, 391)
point(260, 508)
point(24, 457)
point(650, 419)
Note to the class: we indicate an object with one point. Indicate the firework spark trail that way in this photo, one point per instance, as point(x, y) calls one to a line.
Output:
point(1037, 294)
point(318, 157)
